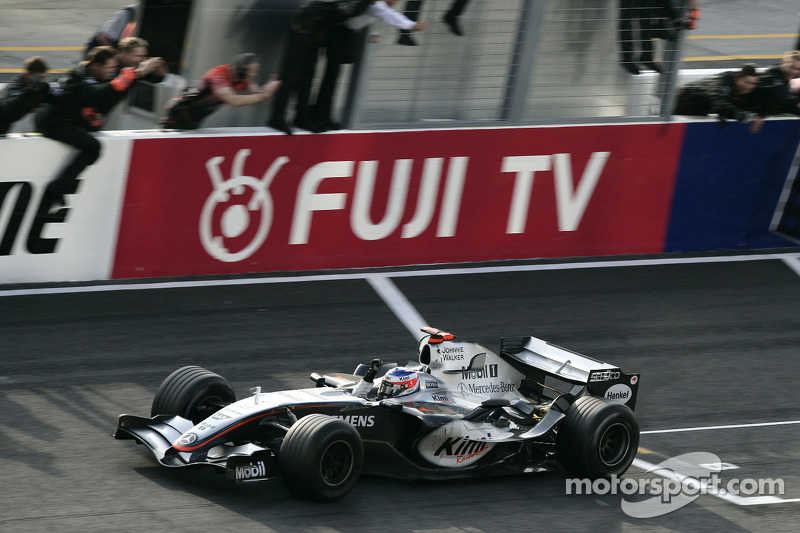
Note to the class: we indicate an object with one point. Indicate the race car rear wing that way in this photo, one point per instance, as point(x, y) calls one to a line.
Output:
point(601, 379)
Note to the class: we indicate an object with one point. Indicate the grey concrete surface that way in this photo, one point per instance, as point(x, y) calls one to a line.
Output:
point(775, 22)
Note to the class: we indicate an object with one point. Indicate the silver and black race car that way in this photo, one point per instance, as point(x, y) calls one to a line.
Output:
point(460, 410)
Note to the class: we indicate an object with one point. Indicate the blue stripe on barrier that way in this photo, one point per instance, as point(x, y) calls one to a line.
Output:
point(728, 185)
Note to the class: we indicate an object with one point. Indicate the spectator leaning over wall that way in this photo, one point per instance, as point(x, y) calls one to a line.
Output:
point(232, 84)
point(83, 99)
point(729, 95)
point(774, 92)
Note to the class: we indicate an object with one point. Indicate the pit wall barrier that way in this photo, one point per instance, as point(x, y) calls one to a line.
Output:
point(229, 202)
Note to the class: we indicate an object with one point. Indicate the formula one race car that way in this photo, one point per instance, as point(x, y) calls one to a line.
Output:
point(460, 411)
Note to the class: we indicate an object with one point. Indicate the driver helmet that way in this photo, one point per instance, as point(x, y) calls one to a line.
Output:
point(399, 381)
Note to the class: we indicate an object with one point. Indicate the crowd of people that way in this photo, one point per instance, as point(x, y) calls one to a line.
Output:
point(745, 95)
point(70, 110)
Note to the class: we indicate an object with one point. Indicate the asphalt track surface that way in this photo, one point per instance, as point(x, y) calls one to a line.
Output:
point(715, 337)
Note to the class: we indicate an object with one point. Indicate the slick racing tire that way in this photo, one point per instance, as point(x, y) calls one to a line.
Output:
point(193, 393)
point(321, 458)
point(597, 438)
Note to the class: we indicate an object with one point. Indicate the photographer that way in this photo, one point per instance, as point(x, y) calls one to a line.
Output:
point(225, 84)
point(80, 105)
point(23, 93)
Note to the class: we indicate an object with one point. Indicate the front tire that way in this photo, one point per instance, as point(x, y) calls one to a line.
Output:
point(321, 458)
point(193, 393)
point(597, 438)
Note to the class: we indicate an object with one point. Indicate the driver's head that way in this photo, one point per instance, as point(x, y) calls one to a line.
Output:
point(399, 381)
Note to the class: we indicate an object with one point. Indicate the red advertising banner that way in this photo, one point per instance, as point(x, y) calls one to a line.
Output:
point(222, 205)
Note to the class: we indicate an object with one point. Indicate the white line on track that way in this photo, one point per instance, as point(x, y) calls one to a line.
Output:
point(788, 258)
point(793, 263)
point(398, 303)
point(731, 426)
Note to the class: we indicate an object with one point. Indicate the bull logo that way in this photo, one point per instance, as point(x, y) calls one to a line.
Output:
point(237, 215)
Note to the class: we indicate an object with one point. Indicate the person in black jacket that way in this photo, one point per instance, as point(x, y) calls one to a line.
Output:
point(773, 91)
point(80, 104)
point(729, 95)
point(23, 93)
point(309, 31)
point(642, 21)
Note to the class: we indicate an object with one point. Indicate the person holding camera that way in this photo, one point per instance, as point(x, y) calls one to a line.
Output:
point(78, 106)
point(232, 84)
point(24, 93)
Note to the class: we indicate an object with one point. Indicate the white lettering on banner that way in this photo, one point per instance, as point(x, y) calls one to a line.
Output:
point(256, 209)
point(525, 167)
point(236, 218)
point(309, 200)
point(426, 200)
point(570, 202)
point(571, 207)
point(451, 202)
point(362, 200)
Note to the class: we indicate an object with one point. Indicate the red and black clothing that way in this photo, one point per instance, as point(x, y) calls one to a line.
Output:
point(188, 109)
point(79, 106)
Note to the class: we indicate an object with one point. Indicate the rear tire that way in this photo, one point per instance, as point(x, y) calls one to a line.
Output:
point(597, 438)
point(321, 458)
point(193, 393)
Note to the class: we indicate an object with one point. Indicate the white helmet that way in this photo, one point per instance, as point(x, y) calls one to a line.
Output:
point(399, 381)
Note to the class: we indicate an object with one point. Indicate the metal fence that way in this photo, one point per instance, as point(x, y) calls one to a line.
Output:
point(520, 62)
